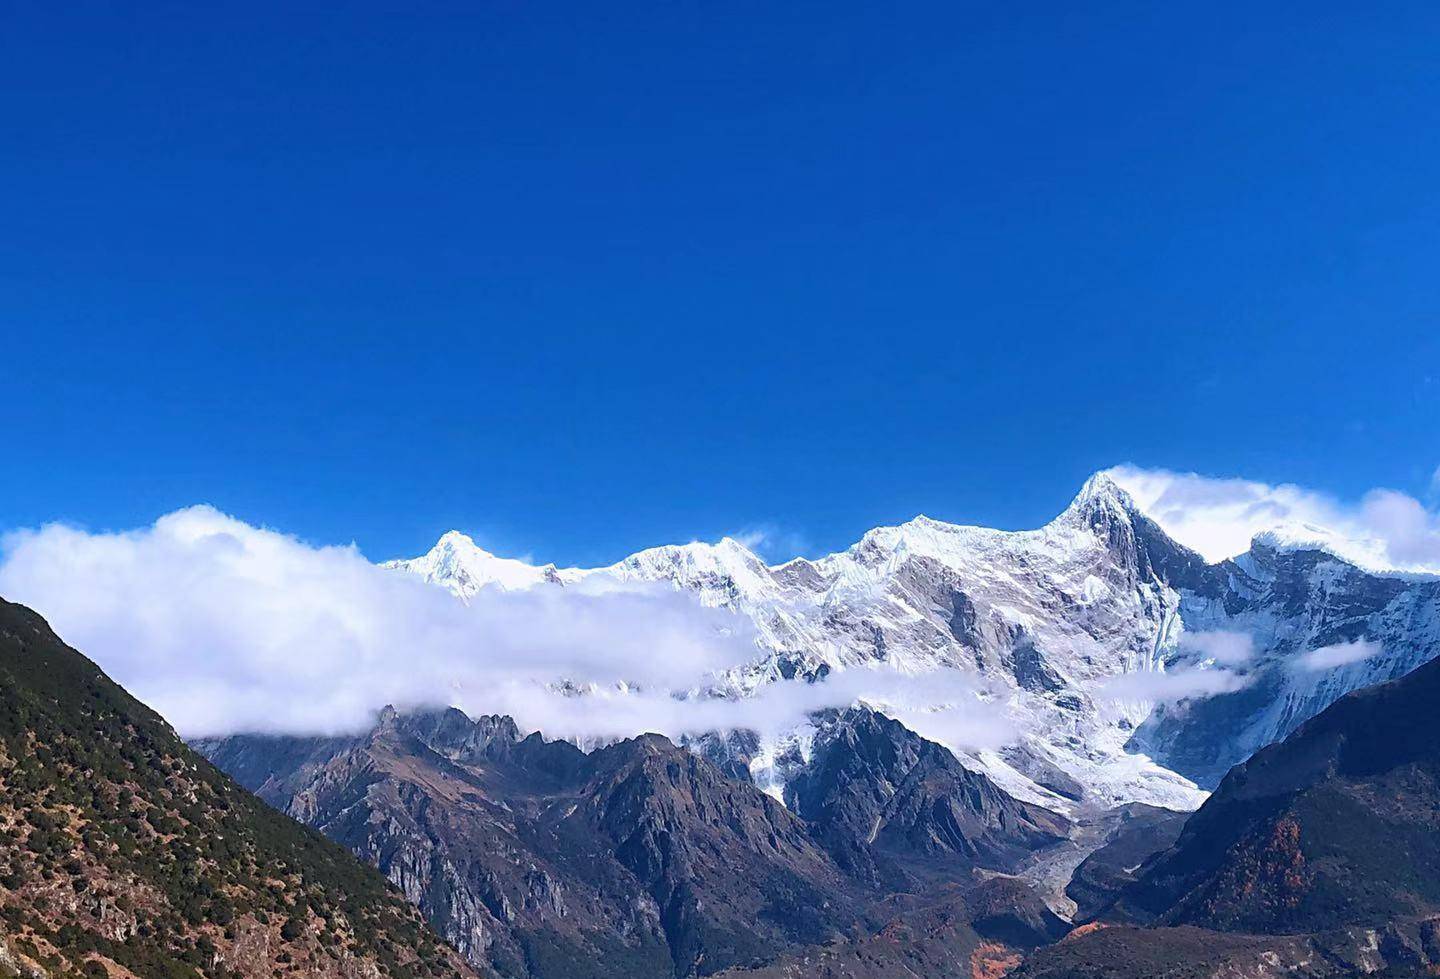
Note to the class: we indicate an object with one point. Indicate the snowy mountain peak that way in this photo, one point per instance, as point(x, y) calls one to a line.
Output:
point(1101, 484)
point(456, 562)
point(1369, 554)
point(718, 572)
point(1100, 495)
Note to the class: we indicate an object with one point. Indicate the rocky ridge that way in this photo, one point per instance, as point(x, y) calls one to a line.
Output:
point(645, 859)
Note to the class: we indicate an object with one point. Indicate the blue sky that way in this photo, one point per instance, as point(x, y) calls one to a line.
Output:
point(581, 278)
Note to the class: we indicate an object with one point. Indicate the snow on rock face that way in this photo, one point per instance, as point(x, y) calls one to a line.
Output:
point(1293, 602)
point(1046, 620)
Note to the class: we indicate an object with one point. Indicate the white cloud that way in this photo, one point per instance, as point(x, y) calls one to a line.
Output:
point(1218, 517)
point(945, 705)
point(1411, 533)
point(225, 627)
point(1227, 648)
point(1340, 654)
point(1170, 686)
point(1191, 677)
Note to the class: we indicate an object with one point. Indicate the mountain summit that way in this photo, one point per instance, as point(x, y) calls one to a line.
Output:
point(459, 564)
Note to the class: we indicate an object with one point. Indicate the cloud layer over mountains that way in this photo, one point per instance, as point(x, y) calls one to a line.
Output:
point(225, 627)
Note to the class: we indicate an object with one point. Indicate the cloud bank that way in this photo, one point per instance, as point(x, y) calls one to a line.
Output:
point(1386, 530)
point(225, 627)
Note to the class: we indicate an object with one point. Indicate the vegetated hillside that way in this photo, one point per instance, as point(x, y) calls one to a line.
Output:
point(123, 853)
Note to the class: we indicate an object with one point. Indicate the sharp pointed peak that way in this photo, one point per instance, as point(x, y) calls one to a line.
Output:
point(1102, 484)
point(732, 544)
point(456, 539)
point(1101, 492)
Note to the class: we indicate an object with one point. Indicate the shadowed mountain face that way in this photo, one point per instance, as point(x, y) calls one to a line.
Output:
point(538, 860)
point(1141, 832)
point(1289, 601)
point(895, 809)
point(124, 853)
point(1337, 825)
point(644, 859)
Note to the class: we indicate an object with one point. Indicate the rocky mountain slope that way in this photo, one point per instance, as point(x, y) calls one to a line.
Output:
point(1048, 620)
point(1139, 833)
point(1325, 842)
point(643, 859)
point(895, 808)
point(1291, 601)
point(1334, 826)
point(537, 860)
point(123, 853)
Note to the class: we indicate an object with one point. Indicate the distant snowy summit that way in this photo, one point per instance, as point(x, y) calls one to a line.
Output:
point(463, 567)
point(456, 562)
point(1075, 627)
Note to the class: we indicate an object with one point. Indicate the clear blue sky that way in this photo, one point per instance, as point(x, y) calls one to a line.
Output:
point(585, 277)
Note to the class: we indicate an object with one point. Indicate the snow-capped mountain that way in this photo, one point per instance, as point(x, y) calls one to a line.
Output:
point(1049, 621)
point(457, 563)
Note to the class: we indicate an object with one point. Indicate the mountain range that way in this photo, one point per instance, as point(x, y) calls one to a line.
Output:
point(1088, 631)
point(1317, 857)
point(1212, 769)
point(645, 859)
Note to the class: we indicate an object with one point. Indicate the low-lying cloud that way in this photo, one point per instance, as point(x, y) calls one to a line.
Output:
point(1209, 664)
point(1224, 647)
point(944, 705)
point(1172, 686)
point(1218, 517)
point(226, 627)
point(1340, 654)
